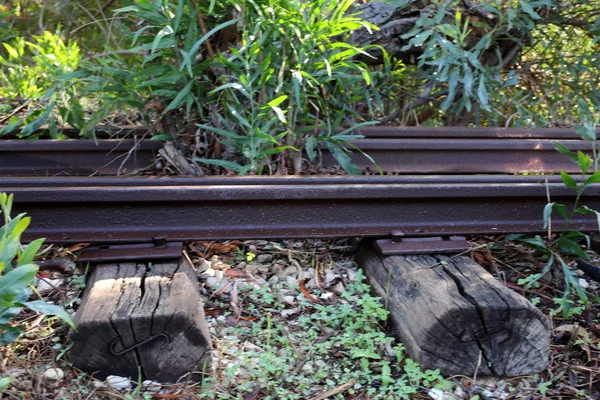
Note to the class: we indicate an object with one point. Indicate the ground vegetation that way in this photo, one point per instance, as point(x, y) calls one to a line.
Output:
point(261, 87)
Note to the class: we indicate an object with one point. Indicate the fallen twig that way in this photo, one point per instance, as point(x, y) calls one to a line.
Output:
point(337, 390)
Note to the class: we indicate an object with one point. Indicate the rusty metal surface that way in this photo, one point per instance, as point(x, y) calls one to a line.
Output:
point(75, 157)
point(100, 132)
point(126, 252)
point(395, 150)
point(115, 210)
point(282, 180)
point(454, 156)
point(398, 132)
point(434, 244)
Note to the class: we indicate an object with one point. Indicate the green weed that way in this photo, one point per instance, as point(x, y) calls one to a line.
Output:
point(325, 346)
point(15, 279)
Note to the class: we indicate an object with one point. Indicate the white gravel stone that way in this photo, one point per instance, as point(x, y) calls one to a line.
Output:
point(214, 283)
point(204, 265)
point(306, 274)
point(54, 374)
point(264, 258)
point(118, 382)
point(330, 275)
point(291, 280)
point(210, 272)
point(151, 387)
point(326, 296)
point(289, 313)
point(436, 394)
point(47, 285)
point(583, 283)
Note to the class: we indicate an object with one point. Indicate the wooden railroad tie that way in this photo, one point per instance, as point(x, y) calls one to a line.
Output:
point(451, 314)
point(142, 318)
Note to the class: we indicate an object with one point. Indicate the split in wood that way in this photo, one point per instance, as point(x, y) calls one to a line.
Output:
point(451, 314)
point(142, 319)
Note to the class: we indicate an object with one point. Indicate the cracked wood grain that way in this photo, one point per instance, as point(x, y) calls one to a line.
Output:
point(448, 311)
point(142, 318)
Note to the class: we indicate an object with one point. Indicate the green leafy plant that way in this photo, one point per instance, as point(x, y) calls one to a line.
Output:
point(17, 273)
point(31, 66)
point(291, 84)
point(569, 243)
point(36, 75)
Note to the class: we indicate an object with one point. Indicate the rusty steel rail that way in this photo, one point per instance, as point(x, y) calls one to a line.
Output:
point(462, 155)
point(403, 151)
point(99, 132)
point(75, 157)
point(455, 132)
point(121, 210)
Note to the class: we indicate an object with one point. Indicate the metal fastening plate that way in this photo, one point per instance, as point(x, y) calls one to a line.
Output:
point(421, 245)
point(131, 252)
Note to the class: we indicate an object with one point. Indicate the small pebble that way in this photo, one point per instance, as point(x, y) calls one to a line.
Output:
point(330, 276)
point(289, 313)
point(436, 394)
point(252, 346)
point(47, 285)
point(151, 387)
point(276, 268)
point(118, 382)
point(215, 284)
point(326, 296)
point(210, 272)
point(289, 299)
point(306, 274)
point(204, 265)
point(264, 258)
point(583, 283)
point(291, 280)
point(54, 374)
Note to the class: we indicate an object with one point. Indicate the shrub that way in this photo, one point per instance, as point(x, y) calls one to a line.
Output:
point(17, 272)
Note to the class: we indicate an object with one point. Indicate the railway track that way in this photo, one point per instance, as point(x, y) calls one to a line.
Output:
point(424, 195)
point(439, 184)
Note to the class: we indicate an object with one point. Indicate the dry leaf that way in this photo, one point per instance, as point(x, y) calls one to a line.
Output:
point(305, 291)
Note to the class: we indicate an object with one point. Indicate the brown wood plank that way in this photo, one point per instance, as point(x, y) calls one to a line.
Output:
point(453, 315)
point(143, 319)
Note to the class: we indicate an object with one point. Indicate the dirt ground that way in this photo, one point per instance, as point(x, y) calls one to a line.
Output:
point(258, 292)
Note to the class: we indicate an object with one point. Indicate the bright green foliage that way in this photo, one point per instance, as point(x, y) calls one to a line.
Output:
point(30, 68)
point(37, 72)
point(287, 82)
point(293, 82)
point(326, 346)
point(17, 272)
point(169, 78)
